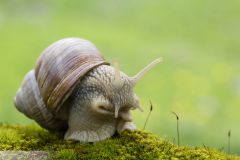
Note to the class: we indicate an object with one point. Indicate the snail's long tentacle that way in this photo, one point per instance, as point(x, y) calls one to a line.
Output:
point(140, 74)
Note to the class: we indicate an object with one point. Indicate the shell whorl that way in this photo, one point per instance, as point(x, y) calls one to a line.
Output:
point(29, 101)
point(45, 89)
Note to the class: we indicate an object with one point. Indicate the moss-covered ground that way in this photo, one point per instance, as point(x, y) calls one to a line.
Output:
point(128, 145)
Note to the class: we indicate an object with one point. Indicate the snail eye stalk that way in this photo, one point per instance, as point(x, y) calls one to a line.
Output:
point(140, 74)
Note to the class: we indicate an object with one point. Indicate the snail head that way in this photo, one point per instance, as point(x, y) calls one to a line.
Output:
point(116, 90)
point(103, 101)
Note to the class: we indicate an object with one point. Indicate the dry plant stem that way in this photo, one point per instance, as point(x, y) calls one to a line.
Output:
point(151, 108)
point(177, 128)
point(229, 144)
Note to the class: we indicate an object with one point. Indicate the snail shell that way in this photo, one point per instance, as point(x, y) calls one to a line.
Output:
point(61, 65)
point(45, 90)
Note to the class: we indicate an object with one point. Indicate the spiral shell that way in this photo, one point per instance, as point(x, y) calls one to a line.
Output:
point(61, 65)
point(45, 89)
point(29, 102)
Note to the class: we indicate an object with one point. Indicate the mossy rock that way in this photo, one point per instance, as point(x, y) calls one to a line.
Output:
point(128, 145)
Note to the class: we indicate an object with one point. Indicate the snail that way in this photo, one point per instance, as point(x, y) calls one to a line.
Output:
point(72, 89)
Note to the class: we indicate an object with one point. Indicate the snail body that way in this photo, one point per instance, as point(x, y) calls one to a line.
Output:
point(73, 89)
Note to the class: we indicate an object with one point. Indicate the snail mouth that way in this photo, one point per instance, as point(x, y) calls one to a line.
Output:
point(120, 113)
point(123, 113)
point(106, 108)
point(126, 116)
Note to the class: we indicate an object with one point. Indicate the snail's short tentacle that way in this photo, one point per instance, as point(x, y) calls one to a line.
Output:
point(117, 107)
point(122, 126)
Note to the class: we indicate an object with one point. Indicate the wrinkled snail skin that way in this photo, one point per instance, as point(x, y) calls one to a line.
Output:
point(88, 122)
point(73, 89)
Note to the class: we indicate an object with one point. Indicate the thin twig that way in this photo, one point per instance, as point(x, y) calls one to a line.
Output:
point(229, 143)
point(177, 128)
point(151, 108)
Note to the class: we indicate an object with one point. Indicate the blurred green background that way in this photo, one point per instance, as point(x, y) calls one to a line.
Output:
point(199, 40)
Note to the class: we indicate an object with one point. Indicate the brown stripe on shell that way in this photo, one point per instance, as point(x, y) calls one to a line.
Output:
point(65, 87)
point(61, 65)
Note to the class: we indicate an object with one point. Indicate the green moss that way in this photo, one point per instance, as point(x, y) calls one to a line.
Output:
point(128, 145)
